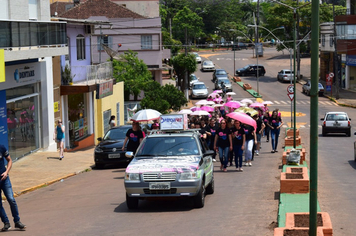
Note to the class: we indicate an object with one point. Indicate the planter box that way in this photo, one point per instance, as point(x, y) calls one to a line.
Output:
point(290, 132)
point(284, 231)
point(295, 180)
point(247, 86)
point(302, 218)
point(288, 141)
point(236, 79)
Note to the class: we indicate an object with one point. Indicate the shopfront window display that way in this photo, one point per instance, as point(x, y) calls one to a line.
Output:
point(77, 117)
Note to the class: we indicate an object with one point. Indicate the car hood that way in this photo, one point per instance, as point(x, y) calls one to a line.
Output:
point(222, 77)
point(166, 164)
point(200, 91)
point(112, 143)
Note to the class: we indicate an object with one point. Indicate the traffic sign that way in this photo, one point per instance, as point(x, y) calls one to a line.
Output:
point(291, 96)
point(290, 88)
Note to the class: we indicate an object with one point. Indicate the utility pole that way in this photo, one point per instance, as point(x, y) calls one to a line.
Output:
point(336, 61)
point(186, 73)
point(100, 43)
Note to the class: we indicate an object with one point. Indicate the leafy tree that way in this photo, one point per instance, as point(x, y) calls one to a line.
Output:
point(162, 98)
point(182, 65)
point(133, 72)
point(168, 42)
point(186, 19)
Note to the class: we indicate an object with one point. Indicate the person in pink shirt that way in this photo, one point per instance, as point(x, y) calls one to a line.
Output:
point(229, 98)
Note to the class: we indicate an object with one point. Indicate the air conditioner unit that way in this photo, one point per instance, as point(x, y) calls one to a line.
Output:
point(88, 29)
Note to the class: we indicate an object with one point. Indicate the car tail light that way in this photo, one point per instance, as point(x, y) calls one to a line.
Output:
point(324, 123)
point(349, 123)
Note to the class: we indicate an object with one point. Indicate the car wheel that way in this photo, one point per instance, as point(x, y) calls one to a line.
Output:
point(211, 187)
point(131, 202)
point(323, 132)
point(348, 133)
point(308, 93)
point(99, 165)
point(199, 199)
point(242, 74)
point(263, 74)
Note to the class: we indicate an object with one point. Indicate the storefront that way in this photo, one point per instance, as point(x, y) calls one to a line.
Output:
point(21, 93)
point(350, 75)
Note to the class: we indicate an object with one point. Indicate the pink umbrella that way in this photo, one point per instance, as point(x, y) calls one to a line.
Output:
point(200, 113)
point(233, 104)
point(243, 118)
point(217, 99)
point(213, 95)
point(207, 108)
point(256, 104)
point(195, 108)
point(218, 91)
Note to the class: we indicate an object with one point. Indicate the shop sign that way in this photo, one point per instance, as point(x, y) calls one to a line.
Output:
point(351, 60)
point(174, 122)
point(3, 119)
point(104, 89)
point(22, 74)
point(56, 107)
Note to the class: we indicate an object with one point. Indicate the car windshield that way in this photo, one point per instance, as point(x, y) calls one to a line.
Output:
point(168, 146)
point(114, 134)
point(199, 86)
point(336, 117)
point(208, 63)
point(320, 85)
point(196, 55)
point(287, 72)
point(221, 72)
point(246, 67)
point(226, 81)
point(193, 77)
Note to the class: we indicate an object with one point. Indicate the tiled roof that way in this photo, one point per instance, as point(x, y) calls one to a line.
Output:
point(99, 8)
point(59, 7)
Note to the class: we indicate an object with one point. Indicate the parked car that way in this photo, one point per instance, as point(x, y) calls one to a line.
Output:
point(197, 57)
point(336, 122)
point(227, 83)
point(355, 149)
point(307, 87)
point(108, 151)
point(170, 165)
point(251, 70)
point(220, 73)
point(285, 76)
point(239, 46)
point(192, 79)
point(199, 90)
point(207, 66)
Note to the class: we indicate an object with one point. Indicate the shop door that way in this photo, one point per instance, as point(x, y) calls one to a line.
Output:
point(22, 124)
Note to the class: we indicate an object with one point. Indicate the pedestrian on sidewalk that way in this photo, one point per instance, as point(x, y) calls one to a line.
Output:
point(251, 140)
point(275, 123)
point(211, 131)
point(238, 140)
point(6, 188)
point(266, 117)
point(223, 143)
point(59, 138)
point(259, 132)
point(230, 125)
point(112, 122)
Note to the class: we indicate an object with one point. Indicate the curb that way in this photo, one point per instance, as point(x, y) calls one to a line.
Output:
point(250, 91)
point(340, 104)
point(27, 190)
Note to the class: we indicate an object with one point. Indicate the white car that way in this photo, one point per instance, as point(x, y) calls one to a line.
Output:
point(336, 122)
point(285, 76)
point(307, 87)
point(193, 79)
point(199, 90)
point(197, 57)
point(207, 66)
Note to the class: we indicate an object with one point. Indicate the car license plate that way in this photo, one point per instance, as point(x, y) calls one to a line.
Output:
point(114, 156)
point(337, 124)
point(160, 186)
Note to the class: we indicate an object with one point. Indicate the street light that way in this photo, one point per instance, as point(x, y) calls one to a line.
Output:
point(281, 27)
point(235, 30)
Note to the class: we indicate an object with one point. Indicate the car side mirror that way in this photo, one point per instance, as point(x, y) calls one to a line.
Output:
point(321, 118)
point(355, 133)
point(349, 118)
point(129, 154)
point(100, 139)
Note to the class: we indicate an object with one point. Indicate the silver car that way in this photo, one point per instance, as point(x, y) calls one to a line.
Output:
point(199, 90)
point(336, 122)
point(197, 57)
point(170, 165)
point(207, 66)
point(285, 76)
point(227, 83)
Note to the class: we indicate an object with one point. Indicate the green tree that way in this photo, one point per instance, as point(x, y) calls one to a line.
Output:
point(186, 19)
point(182, 65)
point(168, 42)
point(162, 98)
point(133, 72)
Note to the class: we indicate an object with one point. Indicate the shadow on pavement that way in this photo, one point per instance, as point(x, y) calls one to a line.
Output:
point(352, 163)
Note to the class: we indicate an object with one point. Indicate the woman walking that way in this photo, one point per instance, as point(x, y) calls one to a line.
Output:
point(250, 141)
point(266, 117)
point(112, 122)
point(134, 137)
point(59, 137)
point(223, 143)
point(238, 139)
point(275, 123)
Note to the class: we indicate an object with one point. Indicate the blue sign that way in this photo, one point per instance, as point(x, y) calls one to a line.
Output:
point(3, 120)
point(351, 60)
point(328, 88)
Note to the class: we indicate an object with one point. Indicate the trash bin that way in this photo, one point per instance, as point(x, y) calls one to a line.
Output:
point(294, 157)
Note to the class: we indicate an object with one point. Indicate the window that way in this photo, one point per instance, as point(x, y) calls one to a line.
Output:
point(118, 114)
point(323, 40)
point(106, 119)
point(331, 40)
point(32, 8)
point(80, 47)
point(4, 9)
point(107, 40)
point(146, 42)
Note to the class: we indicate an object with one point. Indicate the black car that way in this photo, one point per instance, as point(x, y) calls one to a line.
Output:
point(108, 151)
point(251, 70)
point(220, 73)
point(239, 46)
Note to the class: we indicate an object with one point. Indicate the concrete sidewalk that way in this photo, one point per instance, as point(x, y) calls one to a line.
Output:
point(43, 168)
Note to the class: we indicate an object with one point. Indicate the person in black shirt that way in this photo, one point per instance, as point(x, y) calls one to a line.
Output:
point(238, 143)
point(134, 137)
point(223, 143)
point(250, 141)
point(211, 131)
point(259, 132)
point(275, 123)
